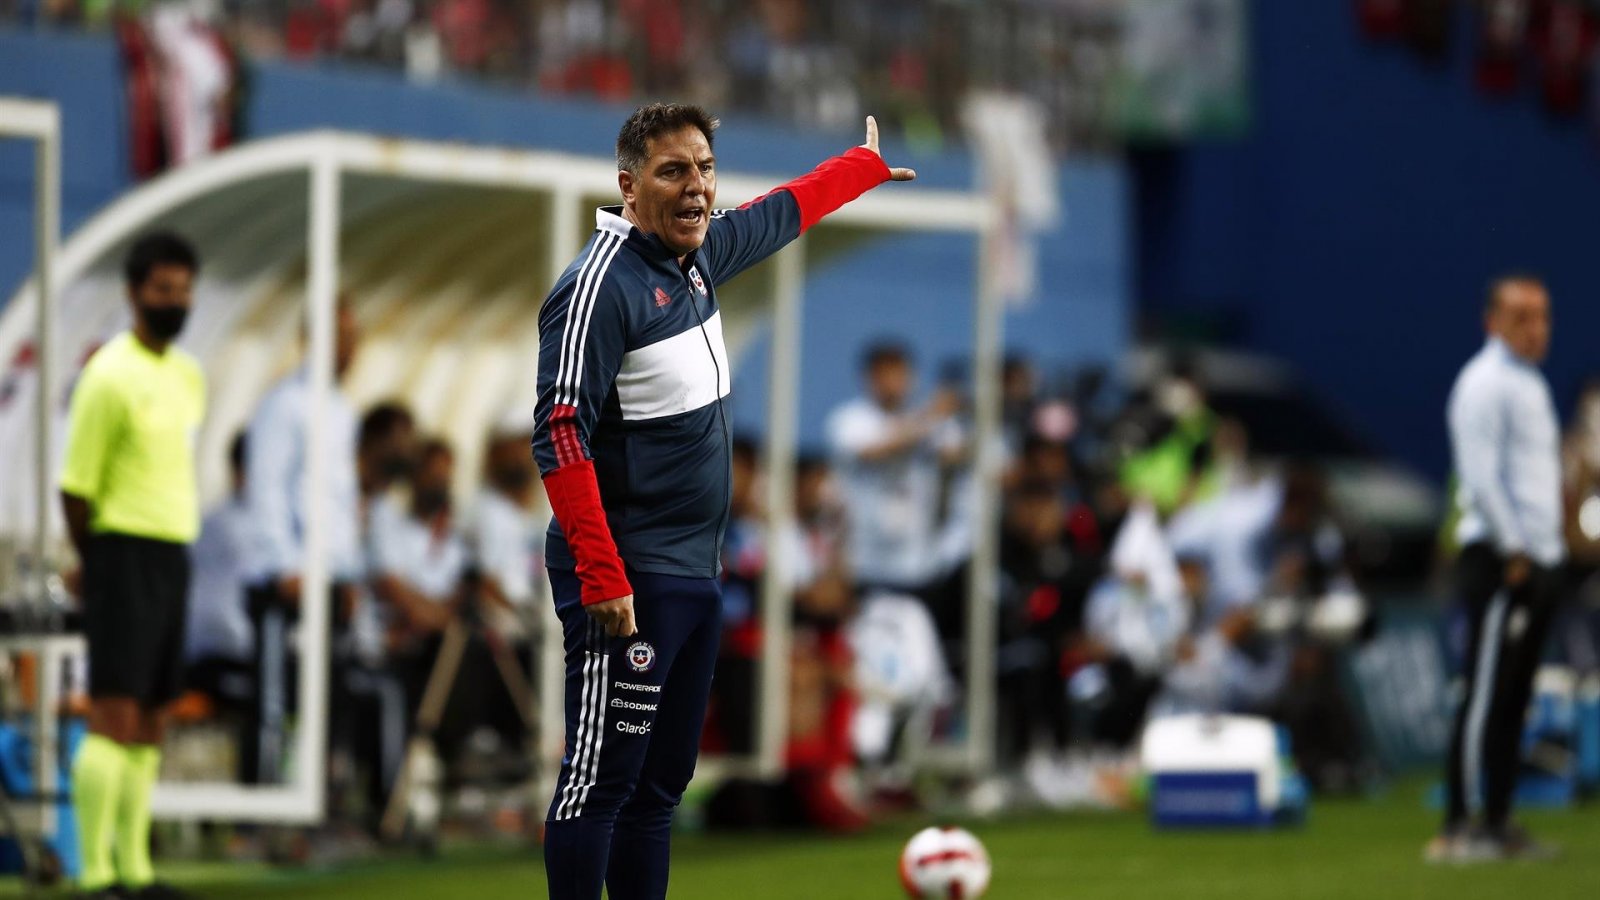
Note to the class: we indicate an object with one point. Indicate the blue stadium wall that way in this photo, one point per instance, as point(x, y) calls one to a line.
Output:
point(1354, 230)
point(916, 287)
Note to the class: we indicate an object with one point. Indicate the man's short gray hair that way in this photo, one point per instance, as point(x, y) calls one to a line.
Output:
point(653, 121)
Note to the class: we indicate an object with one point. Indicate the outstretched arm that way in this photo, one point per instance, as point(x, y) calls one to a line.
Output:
point(740, 238)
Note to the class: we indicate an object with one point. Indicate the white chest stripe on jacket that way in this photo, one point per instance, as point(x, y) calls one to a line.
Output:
point(676, 375)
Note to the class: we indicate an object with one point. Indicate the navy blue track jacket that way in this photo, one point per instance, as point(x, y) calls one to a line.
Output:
point(632, 429)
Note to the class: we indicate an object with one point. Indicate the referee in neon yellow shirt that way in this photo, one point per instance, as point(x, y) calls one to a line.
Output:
point(128, 488)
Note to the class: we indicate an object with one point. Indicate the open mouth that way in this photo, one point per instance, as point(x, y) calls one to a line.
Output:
point(691, 216)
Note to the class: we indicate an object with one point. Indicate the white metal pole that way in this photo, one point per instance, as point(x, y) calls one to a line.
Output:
point(983, 576)
point(322, 255)
point(563, 234)
point(46, 232)
point(783, 401)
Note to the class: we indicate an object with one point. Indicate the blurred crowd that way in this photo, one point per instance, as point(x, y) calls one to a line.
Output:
point(429, 598)
point(1149, 565)
point(816, 64)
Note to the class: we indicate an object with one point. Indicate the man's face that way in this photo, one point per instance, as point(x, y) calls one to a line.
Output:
point(430, 488)
point(1521, 318)
point(394, 454)
point(511, 464)
point(890, 382)
point(437, 472)
point(162, 300)
point(672, 194)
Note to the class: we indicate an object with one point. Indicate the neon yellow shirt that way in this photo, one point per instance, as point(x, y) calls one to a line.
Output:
point(131, 438)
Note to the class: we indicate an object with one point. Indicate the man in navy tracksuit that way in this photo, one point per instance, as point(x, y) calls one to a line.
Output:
point(632, 436)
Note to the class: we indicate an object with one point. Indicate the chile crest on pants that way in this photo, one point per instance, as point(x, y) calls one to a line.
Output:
point(641, 657)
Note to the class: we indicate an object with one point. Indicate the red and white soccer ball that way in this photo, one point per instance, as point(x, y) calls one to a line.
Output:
point(944, 864)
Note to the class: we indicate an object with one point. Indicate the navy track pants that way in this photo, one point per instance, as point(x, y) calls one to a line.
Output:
point(635, 707)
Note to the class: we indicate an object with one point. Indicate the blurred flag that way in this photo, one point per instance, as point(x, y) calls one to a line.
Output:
point(1018, 171)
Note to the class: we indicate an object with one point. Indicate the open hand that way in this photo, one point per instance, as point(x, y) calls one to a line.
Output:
point(616, 616)
point(895, 174)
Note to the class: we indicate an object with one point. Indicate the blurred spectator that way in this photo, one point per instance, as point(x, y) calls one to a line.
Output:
point(1168, 472)
point(276, 486)
point(386, 449)
point(1274, 648)
point(1046, 576)
point(1226, 532)
point(744, 562)
point(371, 715)
point(506, 539)
point(888, 457)
point(821, 703)
point(419, 576)
point(819, 515)
point(821, 753)
point(1580, 458)
point(1133, 625)
point(818, 64)
point(386, 457)
point(1580, 632)
point(1223, 666)
point(219, 641)
point(1323, 615)
point(1049, 464)
point(418, 558)
point(507, 543)
point(1018, 398)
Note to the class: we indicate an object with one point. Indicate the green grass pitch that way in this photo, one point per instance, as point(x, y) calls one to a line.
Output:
point(1354, 849)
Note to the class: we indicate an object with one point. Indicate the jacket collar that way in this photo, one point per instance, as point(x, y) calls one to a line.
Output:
point(609, 219)
point(1499, 349)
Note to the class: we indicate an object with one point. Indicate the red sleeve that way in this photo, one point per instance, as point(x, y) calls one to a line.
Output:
point(835, 183)
point(575, 499)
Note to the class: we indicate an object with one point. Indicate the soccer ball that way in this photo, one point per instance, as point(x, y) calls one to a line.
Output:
point(944, 864)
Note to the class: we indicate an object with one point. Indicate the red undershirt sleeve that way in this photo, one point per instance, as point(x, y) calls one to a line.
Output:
point(836, 182)
point(575, 498)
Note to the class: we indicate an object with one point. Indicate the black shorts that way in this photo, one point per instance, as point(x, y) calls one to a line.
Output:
point(135, 600)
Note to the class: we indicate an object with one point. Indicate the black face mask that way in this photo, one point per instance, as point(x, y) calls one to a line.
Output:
point(165, 322)
point(396, 466)
point(429, 502)
point(813, 619)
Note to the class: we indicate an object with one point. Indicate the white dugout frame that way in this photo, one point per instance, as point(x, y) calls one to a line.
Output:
point(40, 123)
point(327, 156)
